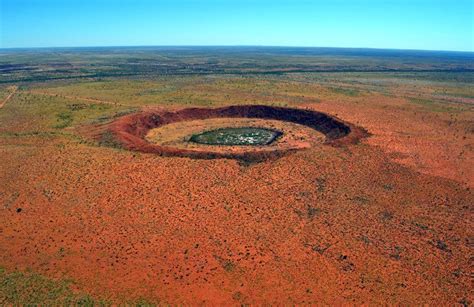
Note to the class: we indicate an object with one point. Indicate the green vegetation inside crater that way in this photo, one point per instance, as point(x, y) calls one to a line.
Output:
point(237, 136)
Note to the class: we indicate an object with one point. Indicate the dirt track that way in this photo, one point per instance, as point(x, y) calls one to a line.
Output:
point(4, 102)
point(73, 97)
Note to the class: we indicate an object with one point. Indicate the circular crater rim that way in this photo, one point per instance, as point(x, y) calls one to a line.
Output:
point(129, 131)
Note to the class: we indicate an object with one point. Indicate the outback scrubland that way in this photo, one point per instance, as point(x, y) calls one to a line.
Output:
point(384, 220)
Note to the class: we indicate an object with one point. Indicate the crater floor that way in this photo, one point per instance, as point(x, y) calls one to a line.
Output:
point(293, 136)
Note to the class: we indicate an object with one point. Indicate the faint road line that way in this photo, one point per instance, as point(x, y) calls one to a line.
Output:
point(75, 97)
point(15, 89)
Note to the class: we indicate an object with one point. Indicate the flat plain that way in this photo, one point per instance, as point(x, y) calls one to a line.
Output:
point(384, 220)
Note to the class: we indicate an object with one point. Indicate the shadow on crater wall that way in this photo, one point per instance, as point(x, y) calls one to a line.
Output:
point(129, 131)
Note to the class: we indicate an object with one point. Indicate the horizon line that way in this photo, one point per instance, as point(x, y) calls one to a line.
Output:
point(258, 46)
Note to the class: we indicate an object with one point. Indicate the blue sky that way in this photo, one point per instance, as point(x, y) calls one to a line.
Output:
point(400, 24)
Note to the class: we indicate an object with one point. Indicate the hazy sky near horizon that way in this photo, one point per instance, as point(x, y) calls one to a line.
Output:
point(400, 24)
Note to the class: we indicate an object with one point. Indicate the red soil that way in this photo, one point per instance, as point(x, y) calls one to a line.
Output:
point(327, 225)
point(434, 143)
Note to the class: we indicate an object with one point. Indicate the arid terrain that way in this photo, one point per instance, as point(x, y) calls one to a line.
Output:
point(380, 215)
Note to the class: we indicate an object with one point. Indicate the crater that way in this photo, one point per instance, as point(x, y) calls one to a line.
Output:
point(133, 132)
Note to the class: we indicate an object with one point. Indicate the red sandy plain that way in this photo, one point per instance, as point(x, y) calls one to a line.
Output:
point(387, 220)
